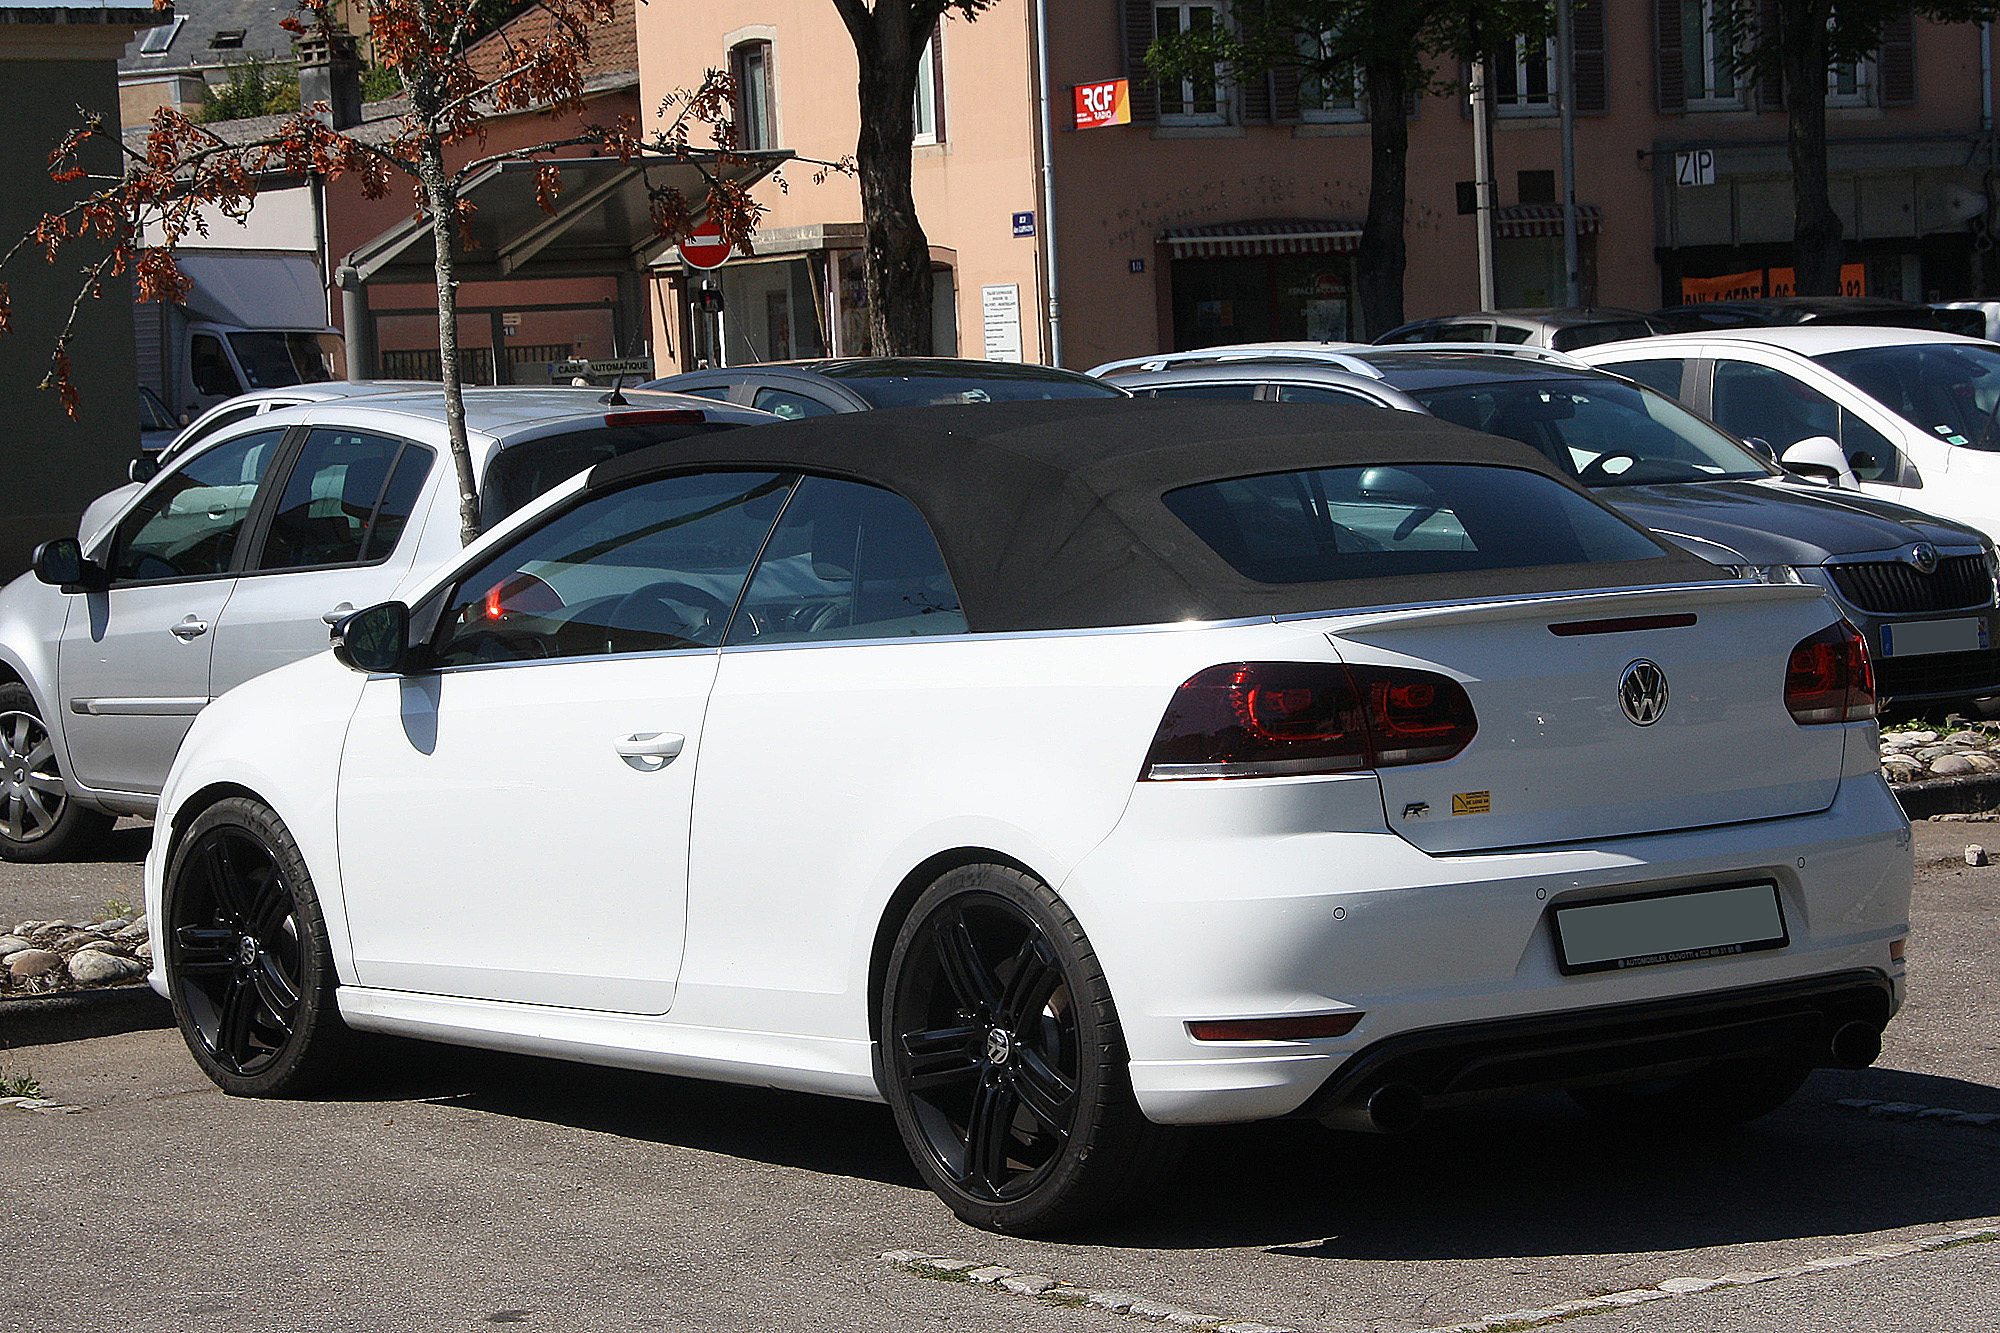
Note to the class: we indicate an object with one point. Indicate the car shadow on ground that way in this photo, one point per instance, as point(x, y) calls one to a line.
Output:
point(1531, 1176)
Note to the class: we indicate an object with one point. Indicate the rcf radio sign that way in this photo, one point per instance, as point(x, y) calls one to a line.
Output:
point(1101, 104)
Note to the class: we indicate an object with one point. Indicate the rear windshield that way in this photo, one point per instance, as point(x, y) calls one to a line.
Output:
point(521, 472)
point(1000, 383)
point(1589, 335)
point(1387, 522)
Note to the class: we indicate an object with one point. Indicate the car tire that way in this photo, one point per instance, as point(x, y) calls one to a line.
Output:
point(39, 819)
point(1729, 1092)
point(1004, 1063)
point(248, 965)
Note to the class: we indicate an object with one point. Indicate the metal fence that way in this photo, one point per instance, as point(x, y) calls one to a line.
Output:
point(475, 364)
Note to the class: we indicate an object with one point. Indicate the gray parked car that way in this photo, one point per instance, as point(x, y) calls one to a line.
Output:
point(239, 556)
point(796, 389)
point(1921, 588)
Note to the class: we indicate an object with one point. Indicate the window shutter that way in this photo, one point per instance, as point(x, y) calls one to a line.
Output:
point(1285, 107)
point(1669, 68)
point(1144, 93)
point(1897, 62)
point(1257, 96)
point(1770, 79)
point(1587, 81)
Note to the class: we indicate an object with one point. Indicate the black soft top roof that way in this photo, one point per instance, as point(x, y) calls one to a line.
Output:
point(1049, 513)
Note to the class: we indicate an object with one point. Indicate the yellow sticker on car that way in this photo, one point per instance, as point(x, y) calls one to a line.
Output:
point(1472, 803)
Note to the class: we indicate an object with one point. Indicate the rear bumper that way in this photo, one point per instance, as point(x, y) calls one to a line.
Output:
point(1793, 1020)
point(1229, 902)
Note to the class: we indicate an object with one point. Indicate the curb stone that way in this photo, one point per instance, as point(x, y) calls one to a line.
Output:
point(1036, 1286)
point(41, 1020)
point(1972, 794)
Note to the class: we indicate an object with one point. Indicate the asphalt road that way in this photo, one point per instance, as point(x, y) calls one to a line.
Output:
point(454, 1189)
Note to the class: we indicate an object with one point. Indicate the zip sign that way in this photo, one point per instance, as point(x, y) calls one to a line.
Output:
point(1695, 168)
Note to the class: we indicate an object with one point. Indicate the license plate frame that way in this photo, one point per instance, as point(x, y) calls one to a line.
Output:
point(1922, 638)
point(1679, 925)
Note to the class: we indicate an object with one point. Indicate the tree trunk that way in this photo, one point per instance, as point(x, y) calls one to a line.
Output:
point(897, 254)
point(1816, 228)
point(442, 197)
point(1382, 258)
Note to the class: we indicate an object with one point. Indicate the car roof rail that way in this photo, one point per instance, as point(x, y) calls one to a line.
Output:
point(1522, 350)
point(1330, 354)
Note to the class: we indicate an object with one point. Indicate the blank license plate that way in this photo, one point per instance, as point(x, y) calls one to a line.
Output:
point(1669, 928)
point(1915, 638)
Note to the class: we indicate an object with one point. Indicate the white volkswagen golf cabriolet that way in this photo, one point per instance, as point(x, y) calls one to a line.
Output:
point(1061, 773)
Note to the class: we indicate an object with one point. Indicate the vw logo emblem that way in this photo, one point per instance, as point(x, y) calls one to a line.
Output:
point(1642, 693)
point(1923, 558)
point(998, 1047)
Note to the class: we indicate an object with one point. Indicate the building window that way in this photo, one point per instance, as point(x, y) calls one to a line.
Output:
point(927, 114)
point(750, 68)
point(1329, 94)
point(1523, 76)
point(1851, 83)
point(1707, 59)
point(1198, 101)
point(159, 38)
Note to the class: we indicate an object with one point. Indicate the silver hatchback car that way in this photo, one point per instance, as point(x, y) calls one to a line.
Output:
point(239, 556)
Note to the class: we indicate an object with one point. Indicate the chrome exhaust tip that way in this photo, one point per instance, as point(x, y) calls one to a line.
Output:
point(1391, 1108)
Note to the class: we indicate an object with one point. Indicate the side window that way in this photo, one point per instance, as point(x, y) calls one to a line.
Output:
point(1664, 374)
point(1870, 453)
point(228, 417)
point(652, 567)
point(1313, 393)
point(1758, 402)
point(791, 406)
point(187, 525)
point(848, 562)
point(719, 392)
point(209, 366)
point(345, 502)
point(1228, 391)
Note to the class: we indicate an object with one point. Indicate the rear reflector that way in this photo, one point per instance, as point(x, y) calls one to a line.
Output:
point(1302, 1028)
point(655, 416)
point(1829, 678)
point(1271, 719)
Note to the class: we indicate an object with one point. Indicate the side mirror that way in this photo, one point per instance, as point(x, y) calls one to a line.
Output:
point(375, 639)
point(61, 562)
point(143, 468)
point(1819, 457)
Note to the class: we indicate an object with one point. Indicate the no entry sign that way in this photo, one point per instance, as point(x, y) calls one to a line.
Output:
point(705, 247)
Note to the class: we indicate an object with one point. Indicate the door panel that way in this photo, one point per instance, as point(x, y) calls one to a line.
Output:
point(496, 844)
point(514, 826)
point(133, 664)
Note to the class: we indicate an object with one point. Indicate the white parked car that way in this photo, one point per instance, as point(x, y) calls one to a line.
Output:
point(239, 557)
point(1060, 773)
point(1906, 414)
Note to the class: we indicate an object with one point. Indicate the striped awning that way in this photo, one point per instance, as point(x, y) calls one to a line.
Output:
point(1289, 236)
point(1543, 220)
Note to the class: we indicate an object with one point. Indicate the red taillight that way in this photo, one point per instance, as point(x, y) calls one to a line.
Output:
point(1303, 1027)
point(1830, 678)
point(1267, 719)
point(658, 416)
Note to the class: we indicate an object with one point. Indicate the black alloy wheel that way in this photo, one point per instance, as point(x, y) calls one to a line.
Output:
point(247, 960)
point(1003, 1062)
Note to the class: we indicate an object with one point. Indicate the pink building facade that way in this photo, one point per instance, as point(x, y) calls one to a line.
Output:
point(1227, 214)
